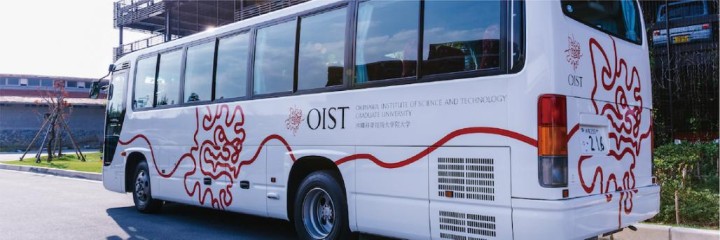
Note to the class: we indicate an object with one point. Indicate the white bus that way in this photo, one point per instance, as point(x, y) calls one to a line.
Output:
point(408, 119)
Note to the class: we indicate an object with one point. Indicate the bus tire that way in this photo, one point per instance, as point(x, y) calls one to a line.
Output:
point(321, 208)
point(142, 194)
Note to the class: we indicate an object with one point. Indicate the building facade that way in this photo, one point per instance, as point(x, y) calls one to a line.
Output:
point(24, 104)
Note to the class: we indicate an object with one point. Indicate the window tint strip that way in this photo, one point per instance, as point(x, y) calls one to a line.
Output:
point(214, 71)
point(296, 59)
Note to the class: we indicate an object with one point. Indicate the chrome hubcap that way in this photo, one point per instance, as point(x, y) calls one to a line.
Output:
point(142, 188)
point(318, 213)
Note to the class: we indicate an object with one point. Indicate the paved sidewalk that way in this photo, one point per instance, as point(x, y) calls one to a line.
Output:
point(5, 156)
point(53, 171)
point(12, 156)
point(663, 232)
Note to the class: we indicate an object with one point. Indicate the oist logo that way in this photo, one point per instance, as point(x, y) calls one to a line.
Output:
point(326, 118)
point(294, 119)
point(573, 53)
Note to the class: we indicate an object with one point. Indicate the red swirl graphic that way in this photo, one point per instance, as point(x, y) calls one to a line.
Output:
point(625, 115)
point(218, 142)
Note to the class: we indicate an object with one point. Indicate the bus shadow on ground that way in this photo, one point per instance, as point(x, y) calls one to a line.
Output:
point(177, 221)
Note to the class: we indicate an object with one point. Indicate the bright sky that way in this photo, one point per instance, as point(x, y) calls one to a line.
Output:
point(72, 38)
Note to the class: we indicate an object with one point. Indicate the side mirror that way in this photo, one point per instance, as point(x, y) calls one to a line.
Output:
point(94, 90)
point(111, 68)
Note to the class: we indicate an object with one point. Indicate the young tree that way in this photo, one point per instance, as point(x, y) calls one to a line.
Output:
point(58, 109)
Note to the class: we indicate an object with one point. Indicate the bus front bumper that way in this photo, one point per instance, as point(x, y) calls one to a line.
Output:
point(583, 217)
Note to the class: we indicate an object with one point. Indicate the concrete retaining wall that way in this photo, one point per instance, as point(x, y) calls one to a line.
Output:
point(20, 123)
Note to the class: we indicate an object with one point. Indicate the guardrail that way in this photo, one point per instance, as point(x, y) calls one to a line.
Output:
point(140, 44)
point(128, 11)
point(263, 8)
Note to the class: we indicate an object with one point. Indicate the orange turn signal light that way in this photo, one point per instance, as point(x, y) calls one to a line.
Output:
point(552, 125)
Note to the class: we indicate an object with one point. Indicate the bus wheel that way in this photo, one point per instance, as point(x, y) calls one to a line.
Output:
point(321, 209)
point(142, 195)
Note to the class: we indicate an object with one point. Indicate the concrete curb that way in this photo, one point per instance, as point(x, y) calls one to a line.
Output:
point(693, 234)
point(662, 232)
point(52, 171)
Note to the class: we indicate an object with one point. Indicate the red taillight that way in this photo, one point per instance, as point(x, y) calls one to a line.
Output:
point(706, 26)
point(552, 141)
point(552, 125)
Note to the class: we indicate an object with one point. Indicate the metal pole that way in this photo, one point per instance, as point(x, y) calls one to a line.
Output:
point(35, 138)
point(42, 144)
point(242, 10)
point(669, 69)
point(167, 22)
point(197, 17)
point(72, 140)
point(120, 29)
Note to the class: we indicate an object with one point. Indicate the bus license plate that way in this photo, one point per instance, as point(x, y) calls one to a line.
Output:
point(594, 139)
point(681, 39)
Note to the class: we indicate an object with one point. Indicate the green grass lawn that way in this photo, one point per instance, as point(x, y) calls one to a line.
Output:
point(67, 162)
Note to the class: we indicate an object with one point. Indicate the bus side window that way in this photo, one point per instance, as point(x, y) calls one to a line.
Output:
point(168, 79)
point(144, 83)
point(274, 62)
point(387, 36)
point(198, 72)
point(232, 61)
point(461, 36)
point(322, 50)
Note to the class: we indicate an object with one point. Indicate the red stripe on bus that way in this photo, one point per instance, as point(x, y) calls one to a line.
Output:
point(439, 143)
point(572, 132)
point(152, 154)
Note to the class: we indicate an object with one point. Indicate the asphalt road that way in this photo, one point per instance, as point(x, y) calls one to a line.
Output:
point(34, 206)
point(38, 206)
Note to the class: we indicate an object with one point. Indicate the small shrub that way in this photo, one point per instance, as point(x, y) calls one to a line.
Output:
point(690, 169)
